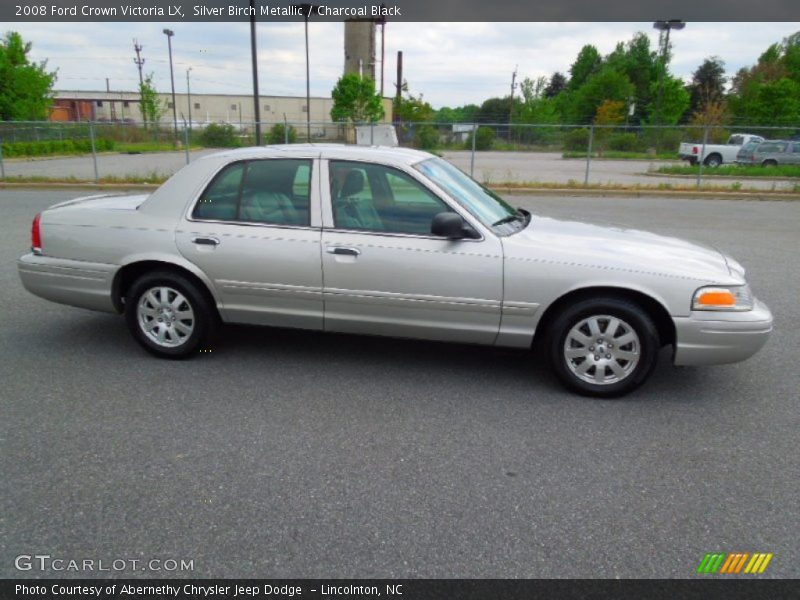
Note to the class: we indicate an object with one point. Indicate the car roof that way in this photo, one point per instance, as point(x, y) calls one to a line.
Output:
point(330, 151)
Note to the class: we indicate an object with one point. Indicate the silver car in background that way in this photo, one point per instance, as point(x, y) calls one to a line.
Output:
point(770, 153)
point(394, 242)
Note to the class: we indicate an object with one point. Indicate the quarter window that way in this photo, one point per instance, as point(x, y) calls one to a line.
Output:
point(373, 197)
point(273, 192)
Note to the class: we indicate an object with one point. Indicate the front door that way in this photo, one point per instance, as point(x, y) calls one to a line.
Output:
point(255, 234)
point(386, 274)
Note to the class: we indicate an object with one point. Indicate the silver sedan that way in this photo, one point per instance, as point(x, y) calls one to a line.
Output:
point(392, 242)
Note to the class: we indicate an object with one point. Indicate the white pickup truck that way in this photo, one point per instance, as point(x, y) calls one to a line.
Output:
point(713, 155)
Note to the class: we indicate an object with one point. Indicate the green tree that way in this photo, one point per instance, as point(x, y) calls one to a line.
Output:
point(496, 110)
point(25, 87)
point(607, 84)
point(767, 92)
point(708, 84)
point(640, 64)
point(460, 114)
point(152, 110)
point(674, 101)
point(412, 109)
point(587, 62)
point(355, 100)
point(556, 85)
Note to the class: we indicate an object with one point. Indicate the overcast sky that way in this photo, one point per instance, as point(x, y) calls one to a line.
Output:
point(449, 63)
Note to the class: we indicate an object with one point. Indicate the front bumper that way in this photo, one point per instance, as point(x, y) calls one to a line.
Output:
point(73, 282)
point(714, 338)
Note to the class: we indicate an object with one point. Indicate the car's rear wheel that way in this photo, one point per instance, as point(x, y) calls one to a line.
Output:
point(713, 161)
point(769, 163)
point(168, 314)
point(603, 347)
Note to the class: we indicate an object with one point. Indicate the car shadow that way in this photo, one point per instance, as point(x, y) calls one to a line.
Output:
point(104, 337)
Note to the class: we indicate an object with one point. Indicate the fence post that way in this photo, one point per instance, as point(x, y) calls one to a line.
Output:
point(94, 151)
point(589, 155)
point(2, 166)
point(702, 157)
point(186, 141)
point(285, 129)
point(371, 133)
point(472, 157)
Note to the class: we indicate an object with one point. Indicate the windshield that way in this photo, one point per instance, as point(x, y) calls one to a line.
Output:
point(484, 204)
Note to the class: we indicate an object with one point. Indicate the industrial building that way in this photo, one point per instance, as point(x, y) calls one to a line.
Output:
point(201, 109)
point(237, 109)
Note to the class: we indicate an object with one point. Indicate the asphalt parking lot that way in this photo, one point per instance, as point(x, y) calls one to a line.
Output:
point(490, 167)
point(295, 454)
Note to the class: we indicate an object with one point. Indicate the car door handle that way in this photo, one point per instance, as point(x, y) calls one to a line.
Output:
point(206, 241)
point(343, 250)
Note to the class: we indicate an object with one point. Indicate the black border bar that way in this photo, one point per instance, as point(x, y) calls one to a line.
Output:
point(400, 10)
point(733, 588)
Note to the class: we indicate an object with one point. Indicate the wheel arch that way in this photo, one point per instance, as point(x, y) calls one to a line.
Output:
point(131, 271)
point(653, 307)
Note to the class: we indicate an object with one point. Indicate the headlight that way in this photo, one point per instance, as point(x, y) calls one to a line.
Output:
point(723, 298)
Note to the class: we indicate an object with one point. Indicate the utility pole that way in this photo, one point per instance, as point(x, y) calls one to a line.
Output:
point(664, 27)
point(139, 61)
point(254, 60)
point(399, 84)
point(189, 94)
point(383, 47)
point(513, 88)
point(169, 33)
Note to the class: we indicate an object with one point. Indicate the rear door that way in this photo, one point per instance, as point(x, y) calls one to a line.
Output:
point(385, 273)
point(255, 232)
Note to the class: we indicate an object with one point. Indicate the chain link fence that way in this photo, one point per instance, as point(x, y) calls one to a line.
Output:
point(494, 153)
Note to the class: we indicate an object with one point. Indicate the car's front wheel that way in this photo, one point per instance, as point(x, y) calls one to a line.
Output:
point(603, 347)
point(168, 314)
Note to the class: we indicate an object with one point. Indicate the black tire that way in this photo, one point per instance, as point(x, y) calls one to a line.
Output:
point(713, 160)
point(630, 316)
point(769, 163)
point(203, 316)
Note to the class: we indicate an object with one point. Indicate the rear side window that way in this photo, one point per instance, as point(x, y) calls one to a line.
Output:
point(272, 191)
point(219, 200)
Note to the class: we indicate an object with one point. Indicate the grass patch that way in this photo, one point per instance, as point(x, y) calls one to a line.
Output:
point(622, 155)
point(612, 187)
point(151, 178)
point(734, 171)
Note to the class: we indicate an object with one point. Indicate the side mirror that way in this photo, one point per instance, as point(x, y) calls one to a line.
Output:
point(452, 226)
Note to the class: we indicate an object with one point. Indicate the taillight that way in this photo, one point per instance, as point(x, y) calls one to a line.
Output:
point(695, 150)
point(36, 235)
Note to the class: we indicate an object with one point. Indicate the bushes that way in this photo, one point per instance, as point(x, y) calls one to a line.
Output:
point(624, 142)
point(426, 137)
point(53, 147)
point(484, 139)
point(277, 135)
point(577, 140)
point(219, 135)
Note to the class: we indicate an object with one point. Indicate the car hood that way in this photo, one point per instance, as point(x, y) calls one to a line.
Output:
point(572, 242)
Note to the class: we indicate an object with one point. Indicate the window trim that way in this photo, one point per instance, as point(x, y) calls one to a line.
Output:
point(443, 198)
point(189, 216)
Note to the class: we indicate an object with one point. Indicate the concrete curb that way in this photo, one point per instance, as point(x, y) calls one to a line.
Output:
point(713, 177)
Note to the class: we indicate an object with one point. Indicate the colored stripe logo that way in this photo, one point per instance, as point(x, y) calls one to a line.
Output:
point(734, 563)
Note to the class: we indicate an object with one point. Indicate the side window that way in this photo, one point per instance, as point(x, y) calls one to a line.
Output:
point(277, 192)
point(221, 197)
point(374, 197)
point(797, 147)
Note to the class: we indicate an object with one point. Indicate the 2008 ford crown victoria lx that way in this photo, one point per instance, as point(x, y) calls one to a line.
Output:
point(392, 242)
